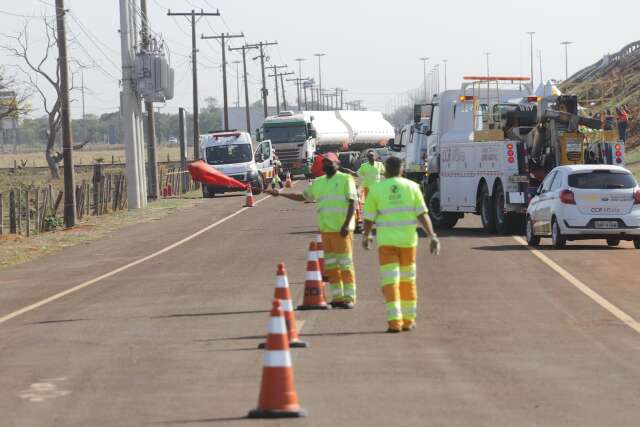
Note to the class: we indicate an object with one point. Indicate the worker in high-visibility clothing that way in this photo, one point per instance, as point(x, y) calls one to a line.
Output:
point(371, 172)
point(335, 194)
point(396, 206)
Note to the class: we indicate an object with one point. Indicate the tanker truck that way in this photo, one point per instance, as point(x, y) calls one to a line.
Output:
point(298, 137)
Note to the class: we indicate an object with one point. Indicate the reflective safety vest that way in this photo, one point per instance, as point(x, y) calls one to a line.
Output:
point(371, 174)
point(394, 205)
point(332, 196)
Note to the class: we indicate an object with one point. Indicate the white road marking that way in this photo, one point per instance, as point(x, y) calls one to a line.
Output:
point(41, 391)
point(600, 300)
point(123, 268)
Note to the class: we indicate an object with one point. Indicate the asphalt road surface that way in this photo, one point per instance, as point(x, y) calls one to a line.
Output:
point(115, 333)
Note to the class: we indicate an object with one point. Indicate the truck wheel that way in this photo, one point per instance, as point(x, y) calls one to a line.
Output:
point(257, 186)
point(505, 222)
point(613, 242)
point(636, 243)
point(206, 193)
point(440, 220)
point(487, 214)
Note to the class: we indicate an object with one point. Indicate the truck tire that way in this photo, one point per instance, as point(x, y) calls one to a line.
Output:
point(506, 222)
point(441, 220)
point(487, 210)
point(206, 193)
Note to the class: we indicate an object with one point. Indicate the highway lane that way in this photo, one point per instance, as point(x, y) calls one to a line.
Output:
point(502, 338)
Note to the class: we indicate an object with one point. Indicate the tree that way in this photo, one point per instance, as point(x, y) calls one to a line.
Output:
point(13, 97)
point(36, 70)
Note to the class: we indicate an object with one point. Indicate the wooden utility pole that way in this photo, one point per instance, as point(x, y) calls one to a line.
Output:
point(247, 107)
point(262, 56)
point(284, 95)
point(152, 161)
point(223, 37)
point(67, 143)
point(300, 85)
point(237, 82)
point(194, 66)
point(275, 69)
point(182, 134)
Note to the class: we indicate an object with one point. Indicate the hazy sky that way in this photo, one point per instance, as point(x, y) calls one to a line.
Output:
point(372, 47)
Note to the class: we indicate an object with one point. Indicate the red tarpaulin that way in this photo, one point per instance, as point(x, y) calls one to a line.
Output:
point(207, 174)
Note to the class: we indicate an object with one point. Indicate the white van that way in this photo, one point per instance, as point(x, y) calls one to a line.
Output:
point(231, 153)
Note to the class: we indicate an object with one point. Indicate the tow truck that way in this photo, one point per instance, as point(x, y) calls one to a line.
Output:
point(486, 147)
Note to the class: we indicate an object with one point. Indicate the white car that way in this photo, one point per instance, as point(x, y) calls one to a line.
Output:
point(581, 202)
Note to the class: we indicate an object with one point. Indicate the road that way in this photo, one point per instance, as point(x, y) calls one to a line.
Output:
point(503, 338)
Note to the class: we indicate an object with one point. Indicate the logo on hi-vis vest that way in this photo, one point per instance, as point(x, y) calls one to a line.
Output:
point(394, 196)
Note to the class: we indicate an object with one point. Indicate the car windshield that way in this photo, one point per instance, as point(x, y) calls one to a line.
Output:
point(602, 179)
point(227, 154)
point(285, 134)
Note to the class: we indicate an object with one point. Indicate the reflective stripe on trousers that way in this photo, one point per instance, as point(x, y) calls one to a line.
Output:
point(398, 274)
point(338, 265)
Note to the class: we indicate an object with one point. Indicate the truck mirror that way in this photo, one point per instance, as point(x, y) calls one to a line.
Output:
point(417, 113)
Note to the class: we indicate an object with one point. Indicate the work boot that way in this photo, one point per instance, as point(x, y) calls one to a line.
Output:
point(409, 325)
point(395, 326)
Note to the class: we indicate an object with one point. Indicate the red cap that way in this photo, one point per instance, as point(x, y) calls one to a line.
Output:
point(331, 156)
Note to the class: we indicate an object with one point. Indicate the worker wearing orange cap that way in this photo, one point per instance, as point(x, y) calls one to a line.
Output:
point(335, 194)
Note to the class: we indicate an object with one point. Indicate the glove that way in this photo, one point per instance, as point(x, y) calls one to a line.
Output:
point(366, 242)
point(434, 245)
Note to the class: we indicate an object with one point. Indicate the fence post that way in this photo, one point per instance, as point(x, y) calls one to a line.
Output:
point(37, 216)
point(19, 213)
point(12, 213)
point(28, 213)
point(1, 215)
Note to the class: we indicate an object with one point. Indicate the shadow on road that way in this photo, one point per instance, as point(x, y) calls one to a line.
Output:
point(221, 313)
point(459, 232)
point(295, 233)
point(548, 248)
point(250, 337)
point(236, 349)
point(47, 322)
point(500, 248)
point(203, 420)
point(341, 334)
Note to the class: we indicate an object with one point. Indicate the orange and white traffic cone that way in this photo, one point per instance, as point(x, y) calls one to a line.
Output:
point(287, 182)
point(283, 294)
point(250, 200)
point(320, 252)
point(313, 284)
point(278, 397)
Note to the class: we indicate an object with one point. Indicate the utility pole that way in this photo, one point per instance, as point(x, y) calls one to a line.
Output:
point(152, 164)
point(275, 69)
point(67, 143)
point(424, 60)
point(131, 110)
point(299, 83)
point(262, 56)
point(247, 107)
point(320, 55)
point(488, 70)
point(284, 96)
point(531, 33)
point(237, 82)
point(194, 66)
point(444, 61)
point(566, 58)
point(223, 37)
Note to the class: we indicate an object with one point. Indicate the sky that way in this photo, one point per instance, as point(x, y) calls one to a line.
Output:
point(372, 47)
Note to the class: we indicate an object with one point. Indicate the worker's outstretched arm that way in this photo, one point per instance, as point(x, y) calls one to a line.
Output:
point(349, 171)
point(298, 197)
point(434, 244)
point(344, 231)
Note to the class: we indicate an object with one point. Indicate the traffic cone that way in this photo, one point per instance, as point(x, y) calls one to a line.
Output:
point(320, 252)
point(287, 182)
point(278, 397)
point(250, 200)
point(283, 294)
point(313, 284)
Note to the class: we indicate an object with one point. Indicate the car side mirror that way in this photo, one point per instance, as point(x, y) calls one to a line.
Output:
point(429, 132)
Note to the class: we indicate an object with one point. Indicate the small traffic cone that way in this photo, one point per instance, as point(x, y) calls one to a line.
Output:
point(283, 294)
point(250, 200)
point(278, 397)
point(320, 252)
point(287, 182)
point(313, 284)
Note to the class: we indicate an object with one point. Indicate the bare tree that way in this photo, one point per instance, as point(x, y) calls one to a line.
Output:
point(13, 97)
point(35, 70)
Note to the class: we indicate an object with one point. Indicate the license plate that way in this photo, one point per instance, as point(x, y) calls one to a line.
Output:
point(606, 224)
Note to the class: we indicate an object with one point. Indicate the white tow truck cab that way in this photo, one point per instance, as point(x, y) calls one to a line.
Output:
point(232, 153)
